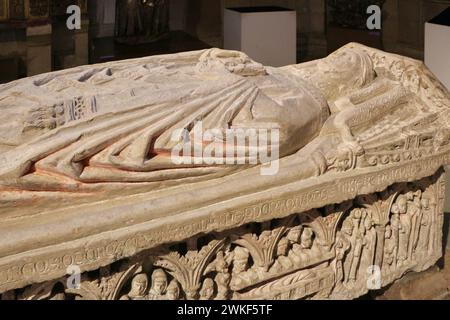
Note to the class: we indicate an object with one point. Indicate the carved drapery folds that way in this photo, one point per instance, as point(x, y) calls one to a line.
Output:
point(339, 252)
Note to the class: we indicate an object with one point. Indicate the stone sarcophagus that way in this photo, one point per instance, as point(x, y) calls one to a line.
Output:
point(117, 180)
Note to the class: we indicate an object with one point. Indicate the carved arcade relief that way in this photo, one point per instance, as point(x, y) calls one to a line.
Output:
point(326, 253)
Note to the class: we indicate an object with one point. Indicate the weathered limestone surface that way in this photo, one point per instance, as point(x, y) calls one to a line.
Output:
point(432, 284)
point(86, 178)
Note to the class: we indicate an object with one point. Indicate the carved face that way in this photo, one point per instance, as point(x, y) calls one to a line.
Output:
point(159, 282)
point(343, 60)
point(159, 285)
point(357, 214)
point(425, 203)
point(412, 80)
point(283, 247)
point(294, 234)
point(395, 209)
point(139, 285)
point(221, 264)
point(388, 232)
point(307, 239)
point(410, 196)
point(347, 228)
point(397, 69)
point(191, 294)
point(207, 290)
point(173, 292)
point(343, 159)
point(345, 70)
point(367, 222)
point(240, 264)
point(402, 205)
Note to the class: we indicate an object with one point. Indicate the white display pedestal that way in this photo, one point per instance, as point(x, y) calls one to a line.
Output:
point(266, 34)
point(437, 47)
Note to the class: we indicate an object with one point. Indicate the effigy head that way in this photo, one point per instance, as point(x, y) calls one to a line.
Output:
point(343, 71)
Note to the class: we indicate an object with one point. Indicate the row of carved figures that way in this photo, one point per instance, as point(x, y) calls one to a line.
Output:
point(322, 253)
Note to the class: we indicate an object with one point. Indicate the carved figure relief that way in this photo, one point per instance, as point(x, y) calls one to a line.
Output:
point(395, 222)
point(139, 286)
